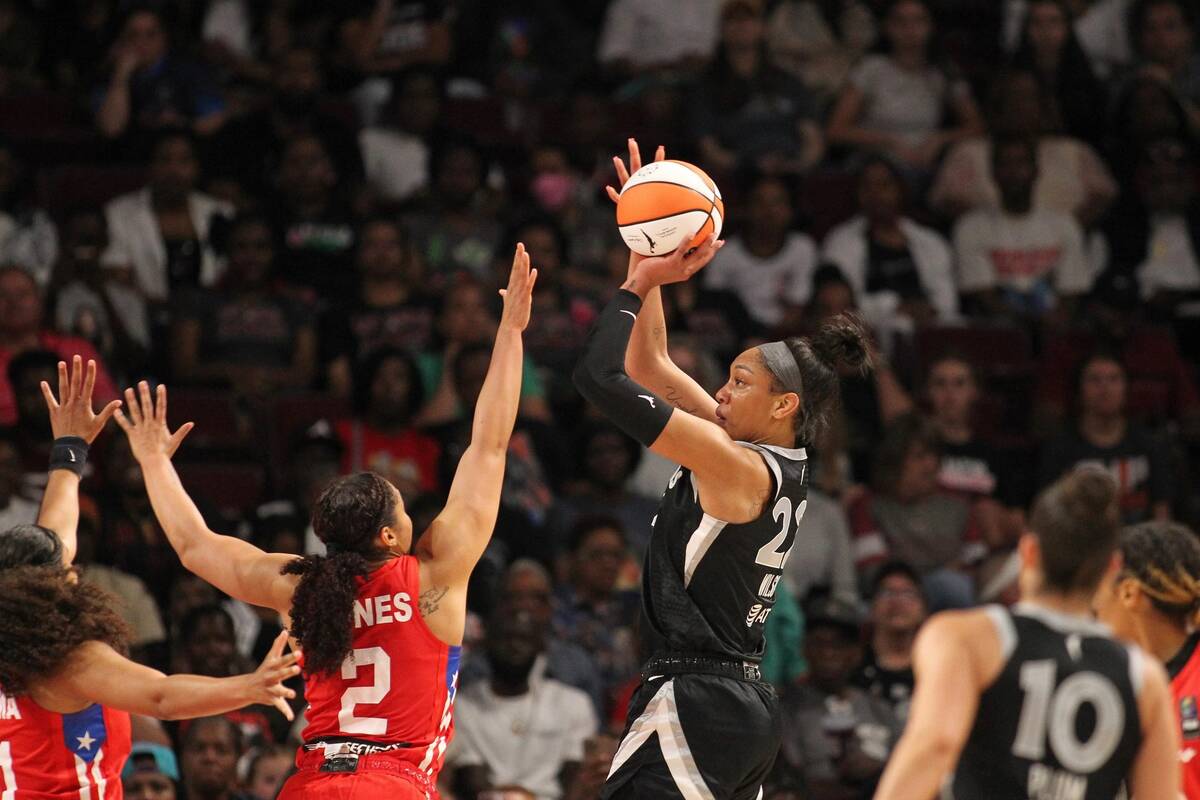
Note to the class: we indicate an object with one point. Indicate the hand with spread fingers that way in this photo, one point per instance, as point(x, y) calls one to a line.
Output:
point(71, 412)
point(145, 423)
point(635, 163)
point(265, 684)
point(685, 262)
point(518, 297)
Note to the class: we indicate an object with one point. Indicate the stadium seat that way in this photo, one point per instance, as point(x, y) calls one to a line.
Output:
point(995, 351)
point(233, 489)
point(221, 427)
point(74, 185)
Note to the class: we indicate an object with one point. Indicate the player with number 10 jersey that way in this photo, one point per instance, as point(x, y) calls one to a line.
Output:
point(379, 618)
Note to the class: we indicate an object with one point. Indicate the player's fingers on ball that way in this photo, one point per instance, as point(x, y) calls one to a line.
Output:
point(613, 194)
point(660, 154)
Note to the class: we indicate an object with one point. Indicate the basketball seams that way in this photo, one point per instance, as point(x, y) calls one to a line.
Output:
point(680, 203)
point(647, 221)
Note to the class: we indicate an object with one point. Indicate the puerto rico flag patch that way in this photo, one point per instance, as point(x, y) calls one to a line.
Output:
point(84, 735)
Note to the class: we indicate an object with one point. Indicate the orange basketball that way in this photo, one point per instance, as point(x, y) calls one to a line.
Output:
point(666, 203)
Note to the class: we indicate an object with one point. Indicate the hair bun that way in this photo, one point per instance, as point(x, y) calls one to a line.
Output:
point(843, 341)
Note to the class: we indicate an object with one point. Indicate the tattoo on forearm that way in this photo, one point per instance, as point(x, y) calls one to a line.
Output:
point(630, 285)
point(659, 332)
point(431, 598)
point(676, 399)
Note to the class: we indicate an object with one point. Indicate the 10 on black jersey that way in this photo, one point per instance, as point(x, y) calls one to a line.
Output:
point(1061, 721)
point(708, 586)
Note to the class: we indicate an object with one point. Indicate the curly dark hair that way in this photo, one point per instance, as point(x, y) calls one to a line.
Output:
point(45, 616)
point(347, 518)
point(1164, 557)
point(840, 341)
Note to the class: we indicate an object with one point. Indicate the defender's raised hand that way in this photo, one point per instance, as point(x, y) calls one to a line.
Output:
point(265, 684)
point(518, 296)
point(145, 423)
point(71, 412)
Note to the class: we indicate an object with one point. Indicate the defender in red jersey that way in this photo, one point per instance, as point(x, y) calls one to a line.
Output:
point(380, 617)
point(65, 689)
point(1155, 601)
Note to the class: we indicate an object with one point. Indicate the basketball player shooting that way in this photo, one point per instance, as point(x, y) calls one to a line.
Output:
point(1040, 702)
point(66, 687)
point(703, 724)
point(380, 616)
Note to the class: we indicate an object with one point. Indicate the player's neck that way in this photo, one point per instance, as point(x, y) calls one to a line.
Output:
point(1075, 605)
point(1162, 638)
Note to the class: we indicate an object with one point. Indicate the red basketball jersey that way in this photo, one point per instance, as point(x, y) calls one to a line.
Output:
point(397, 686)
point(1185, 688)
point(49, 756)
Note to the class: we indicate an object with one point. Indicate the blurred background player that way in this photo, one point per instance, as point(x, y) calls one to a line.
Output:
point(1039, 700)
point(380, 690)
point(66, 688)
point(1153, 601)
point(723, 530)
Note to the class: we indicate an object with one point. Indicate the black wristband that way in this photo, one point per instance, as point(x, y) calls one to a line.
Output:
point(69, 452)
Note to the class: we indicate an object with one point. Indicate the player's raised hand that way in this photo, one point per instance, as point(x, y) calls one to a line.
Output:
point(685, 262)
point(635, 163)
point(145, 423)
point(71, 412)
point(518, 297)
point(265, 684)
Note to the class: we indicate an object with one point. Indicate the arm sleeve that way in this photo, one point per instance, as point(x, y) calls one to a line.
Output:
point(601, 378)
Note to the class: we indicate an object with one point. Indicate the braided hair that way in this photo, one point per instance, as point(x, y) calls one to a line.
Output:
point(1164, 559)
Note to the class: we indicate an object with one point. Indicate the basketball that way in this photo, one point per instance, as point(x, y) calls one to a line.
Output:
point(666, 202)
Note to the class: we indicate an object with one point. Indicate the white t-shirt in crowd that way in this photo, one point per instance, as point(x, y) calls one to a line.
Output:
point(766, 286)
point(905, 103)
point(1170, 263)
point(396, 163)
point(523, 741)
point(648, 33)
point(19, 511)
point(1020, 252)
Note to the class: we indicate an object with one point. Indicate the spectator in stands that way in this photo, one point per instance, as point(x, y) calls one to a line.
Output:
point(395, 152)
point(607, 459)
point(247, 335)
point(313, 460)
point(381, 436)
point(1146, 110)
point(560, 189)
point(748, 113)
point(383, 37)
point(769, 265)
point(391, 308)
point(589, 609)
point(520, 727)
point(908, 517)
point(14, 509)
point(1050, 49)
point(1071, 178)
point(1148, 354)
point(647, 35)
point(1156, 235)
point(836, 736)
point(249, 147)
point(267, 769)
point(27, 233)
point(149, 88)
point(151, 773)
point(897, 613)
point(896, 101)
point(90, 302)
point(133, 540)
point(209, 752)
point(819, 41)
point(971, 468)
point(163, 232)
point(466, 319)
point(135, 604)
point(310, 215)
point(25, 374)
point(1103, 434)
point(1020, 263)
point(821, 559)
point(457, 234)
point(21, 330)
point(1163, 34)
point(902, 272)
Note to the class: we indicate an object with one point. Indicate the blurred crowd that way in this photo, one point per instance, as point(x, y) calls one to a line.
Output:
point(297, 214)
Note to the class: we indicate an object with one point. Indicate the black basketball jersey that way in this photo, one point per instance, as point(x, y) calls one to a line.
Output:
point(707, 585)
point(1061, 721)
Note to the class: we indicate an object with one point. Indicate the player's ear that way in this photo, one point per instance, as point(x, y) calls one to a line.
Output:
point(1130, 593)
point(786, 405)
point(1029, 551)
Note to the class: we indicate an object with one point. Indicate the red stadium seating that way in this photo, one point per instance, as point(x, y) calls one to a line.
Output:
point(73, 185)
point(233, 489)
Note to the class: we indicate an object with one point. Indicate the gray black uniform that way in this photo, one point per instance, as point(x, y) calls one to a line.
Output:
point(1061, 721)
point(703, 725)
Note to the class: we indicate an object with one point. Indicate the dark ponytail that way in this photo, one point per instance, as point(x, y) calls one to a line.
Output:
point(841, 342)
point(347, 518)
